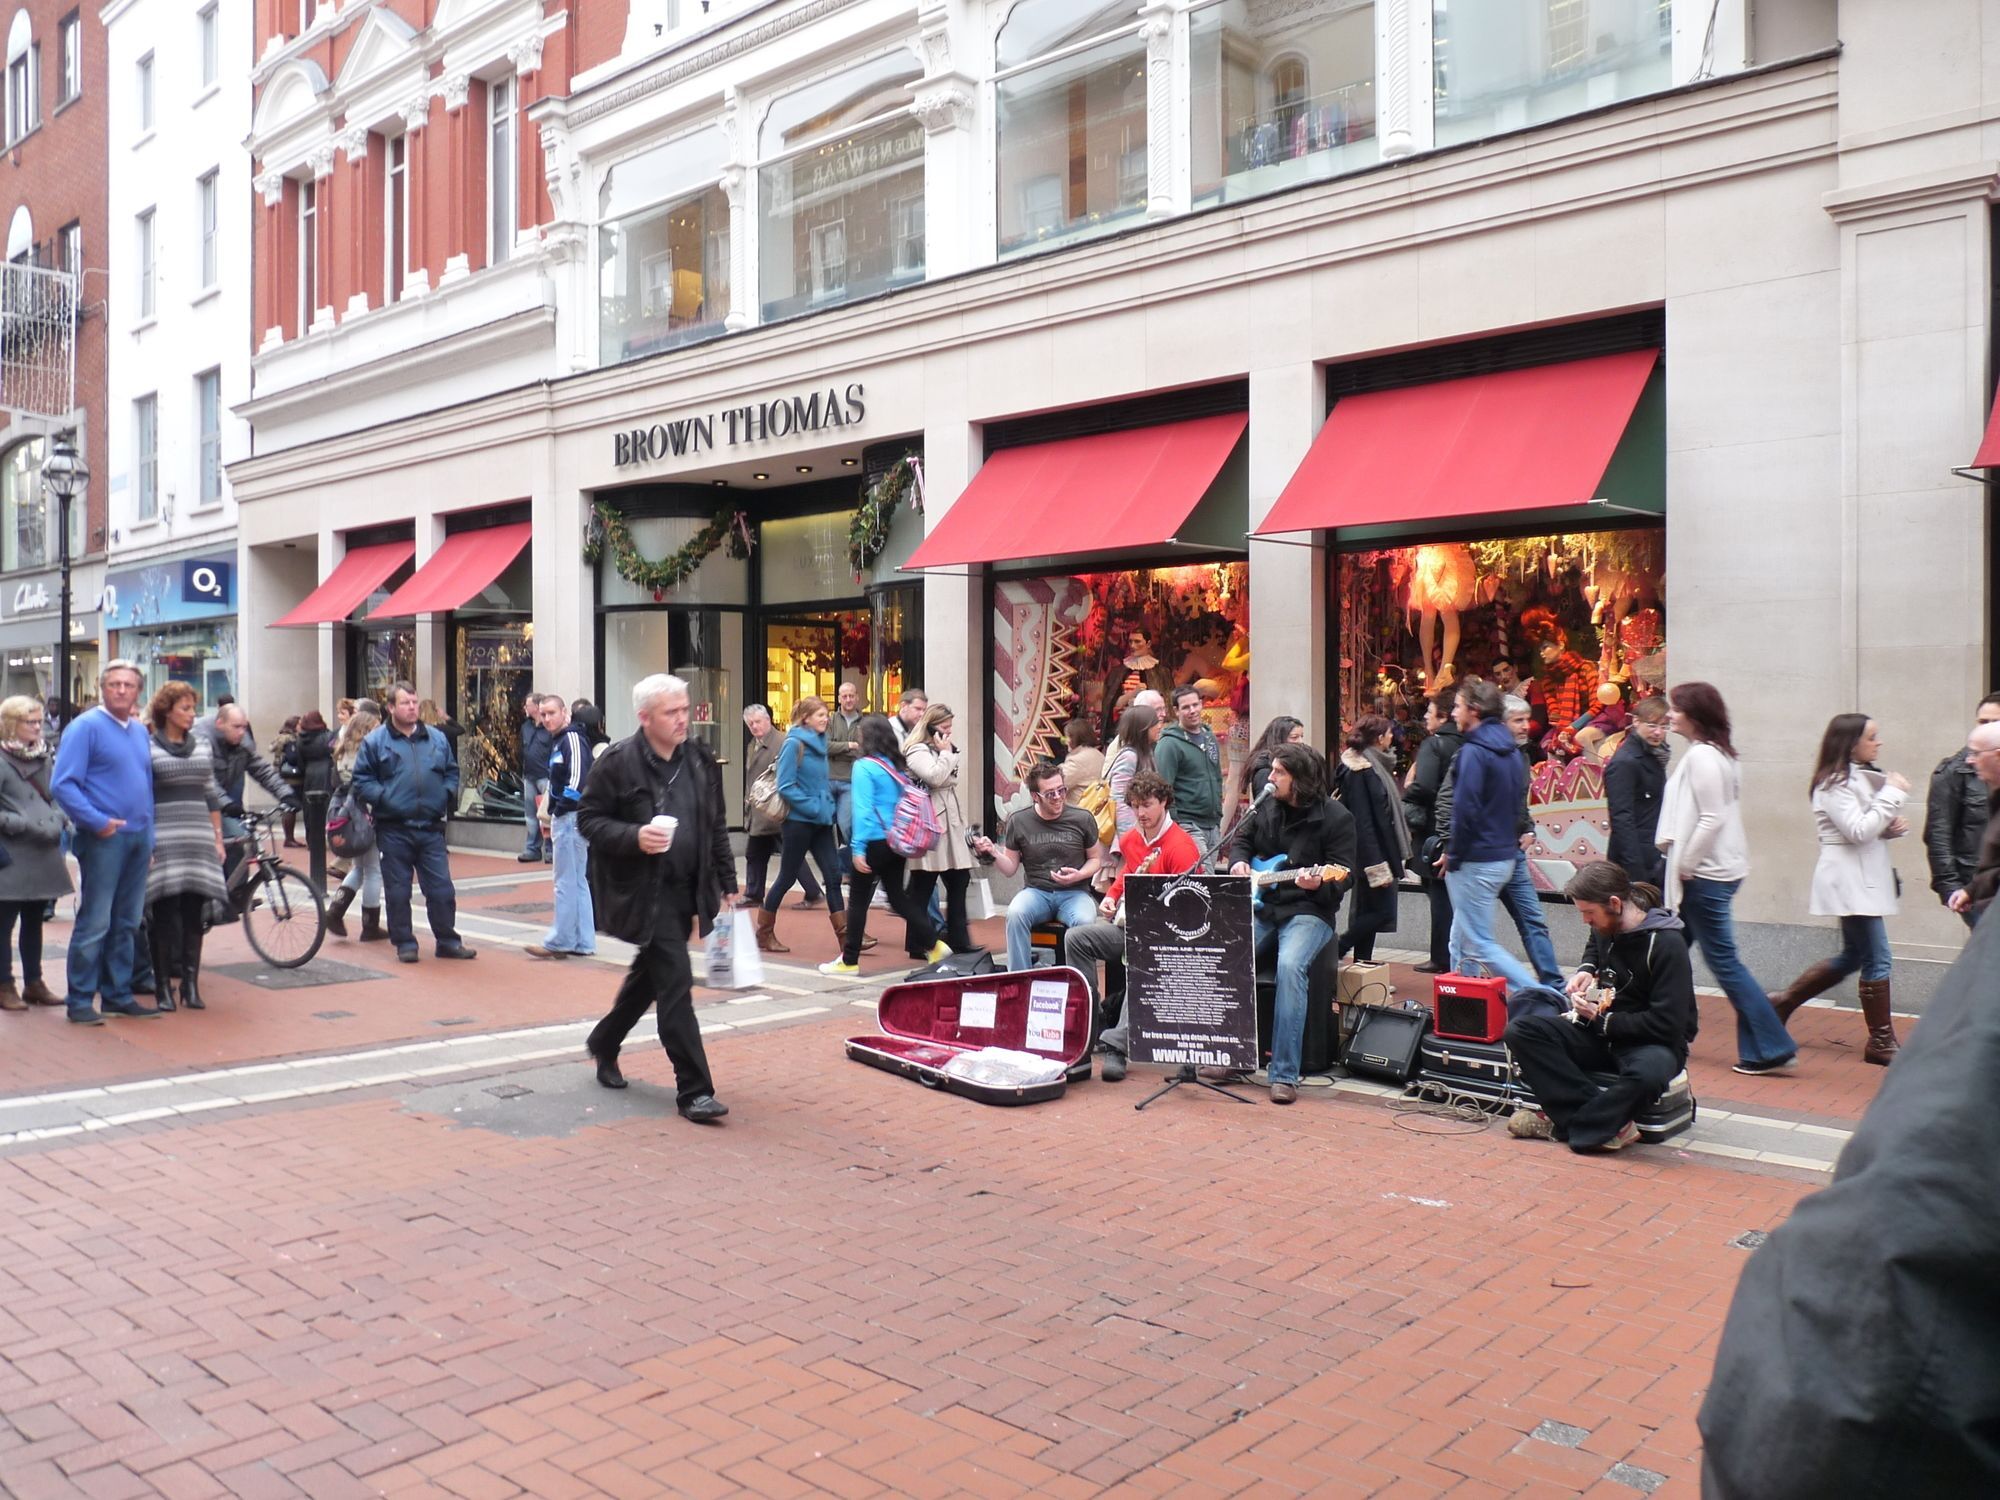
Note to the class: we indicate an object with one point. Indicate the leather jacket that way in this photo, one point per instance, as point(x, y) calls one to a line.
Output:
point(1954, 822)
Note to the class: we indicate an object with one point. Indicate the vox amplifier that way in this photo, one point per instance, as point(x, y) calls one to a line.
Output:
point(1465, 1009)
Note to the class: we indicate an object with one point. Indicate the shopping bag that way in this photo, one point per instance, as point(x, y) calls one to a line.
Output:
point(731, 955)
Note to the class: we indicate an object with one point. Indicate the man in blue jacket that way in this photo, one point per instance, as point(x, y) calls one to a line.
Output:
point(1490, 782)
point(407, 775)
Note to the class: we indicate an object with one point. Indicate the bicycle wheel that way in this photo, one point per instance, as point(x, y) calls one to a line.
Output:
point(286, 921)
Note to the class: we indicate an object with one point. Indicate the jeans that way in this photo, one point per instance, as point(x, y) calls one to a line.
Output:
point(1296, 943)
point(757, 851)
point(1557, 1057)
point(1475, 886)
point(109, 908)
point(366, 877)
point(885, 868)
point(1205, 836)
point(1439, 895)
point(575, 929)
point(800, 839)
point(843, 821)
point(316, 837)
point(533, 789)
point(1526, 909)
point(30, 915)
point(1029, 909)
point(417, 848)
point(1761, 1037)
point(1864, 945)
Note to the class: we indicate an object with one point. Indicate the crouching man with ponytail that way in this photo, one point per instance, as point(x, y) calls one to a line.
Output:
point(1634, 1017)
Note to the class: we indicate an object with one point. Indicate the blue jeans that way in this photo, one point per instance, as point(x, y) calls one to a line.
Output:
point(1761, 1037)
point(366, 877)
point(1526, 909)
point(843, 821)
point(533, 789)
point(417, 848)
point(1297, 942)
point(1072, 908)
point(110, 907)
point(575, 930)
point(1475, 887)
point(1864, 945)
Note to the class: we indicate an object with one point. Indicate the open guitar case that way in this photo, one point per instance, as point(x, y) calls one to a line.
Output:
point(924, 1027)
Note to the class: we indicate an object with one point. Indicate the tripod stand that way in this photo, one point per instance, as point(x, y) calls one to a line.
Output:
point(1187, 1074)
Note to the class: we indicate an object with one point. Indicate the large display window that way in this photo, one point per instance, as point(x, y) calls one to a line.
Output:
point(492, 640)
point(1574, 622)
point(201, 654)
point(702, 647)
point(1081, 645)
point(1503, 65)
point(663, 249)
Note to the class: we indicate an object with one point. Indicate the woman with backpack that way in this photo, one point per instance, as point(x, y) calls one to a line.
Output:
point(808, 827)
point(1858, 808)
point(365, 878)
point(933, 762)
point(879, 782)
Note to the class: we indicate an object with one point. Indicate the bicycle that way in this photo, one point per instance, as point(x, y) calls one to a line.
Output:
point(283, 912)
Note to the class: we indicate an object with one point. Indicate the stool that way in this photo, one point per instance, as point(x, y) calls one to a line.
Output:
point(1045, 945)
point(1319, 1048)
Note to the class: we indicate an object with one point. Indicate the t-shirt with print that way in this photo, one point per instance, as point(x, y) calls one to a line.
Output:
point(1046, 846)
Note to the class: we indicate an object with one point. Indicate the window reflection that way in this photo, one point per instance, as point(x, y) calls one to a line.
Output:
point(1072, 145)
point(663, 249)
point(1507, 64)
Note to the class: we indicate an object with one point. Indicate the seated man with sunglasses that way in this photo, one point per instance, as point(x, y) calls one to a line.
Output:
point(1057, 845)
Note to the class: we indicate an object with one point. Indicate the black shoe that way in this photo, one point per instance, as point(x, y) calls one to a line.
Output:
point(458, 950)
point(1113, 1067)
point(608, 1074)
point(131, 1010)
point(164, 997)
point(703, 1108)
point(1430, 968)
point(85, 1018)
point(407, 955)
point(526, 859)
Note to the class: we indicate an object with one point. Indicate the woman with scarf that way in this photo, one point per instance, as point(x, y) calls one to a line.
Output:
point(31, 828)
point(1366, 787)
point(188, 851)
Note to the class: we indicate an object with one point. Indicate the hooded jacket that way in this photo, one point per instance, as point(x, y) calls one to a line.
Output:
point(1649, 969)
point(802, 776)
point(1194, 774)
point(1635, 779)
point(1489, 788)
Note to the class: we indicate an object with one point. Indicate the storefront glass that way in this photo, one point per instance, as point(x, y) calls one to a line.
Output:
point(842, 220)
point(1278, 98)
point(381, 653)
point(663, 249)
point(202, 654)
point(702, 647)
point(1504, 65)
point(1072, 130)
point(492, 673)
point(31, 670)
point(1081, 645)
point(1578, 615)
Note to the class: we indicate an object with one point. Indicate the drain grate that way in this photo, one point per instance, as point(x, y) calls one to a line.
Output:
point(1750, 1239)
point(320, 971)
point(509, 1091)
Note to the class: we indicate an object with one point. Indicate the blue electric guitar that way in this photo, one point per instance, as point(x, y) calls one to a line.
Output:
point(1273, 871)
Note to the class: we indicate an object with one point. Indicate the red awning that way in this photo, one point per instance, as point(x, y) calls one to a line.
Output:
point(353, 579)
point(1989, 448)
point(465, 564)
point(1530, 439)
point(1103, 493)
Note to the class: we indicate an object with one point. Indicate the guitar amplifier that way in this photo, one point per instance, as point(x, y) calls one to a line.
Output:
point(1386, 1042)
point(1468, 1009)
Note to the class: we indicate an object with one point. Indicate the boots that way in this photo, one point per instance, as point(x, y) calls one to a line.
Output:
point(371, 925)
point(38, 993)
point(336, 910)
point(1882, 1043)
point(163, 968)
point(191, 978)
point(839, 920)
point(766, 923)
point(1817, 980)
point(10, 998)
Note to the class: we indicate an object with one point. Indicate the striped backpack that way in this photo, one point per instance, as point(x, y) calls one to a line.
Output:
point(913, 826)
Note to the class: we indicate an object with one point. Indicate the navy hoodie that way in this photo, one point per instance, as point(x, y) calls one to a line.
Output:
point(1489, 784)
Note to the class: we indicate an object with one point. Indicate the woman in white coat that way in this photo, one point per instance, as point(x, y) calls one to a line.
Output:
point(933, 761)
point(1858, 807)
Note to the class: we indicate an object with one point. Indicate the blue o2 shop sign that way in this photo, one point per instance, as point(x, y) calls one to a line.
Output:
point(167, 593)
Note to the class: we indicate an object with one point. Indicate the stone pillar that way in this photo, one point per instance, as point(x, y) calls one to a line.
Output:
point(1290, 621)
point(957, 633)
point(947, 104)
point(458, 186)
point(431, 639)
point(526, 57)
point(417, 182)
point(1169, 110)
point(739, 184)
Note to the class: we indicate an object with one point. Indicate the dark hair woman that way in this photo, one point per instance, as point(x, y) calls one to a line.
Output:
point(1435, 756)
point(1858, 807)
point(879, 780)
point(1283, 730)
point(186, 872)
point(809, 826)
point(589, 720)
point(283, 757)
point(315, 758)
point(1708, 857)
point(1367, 790)
point(1138, 731)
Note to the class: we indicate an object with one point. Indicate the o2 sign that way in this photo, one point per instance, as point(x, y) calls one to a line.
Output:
point(207, 581)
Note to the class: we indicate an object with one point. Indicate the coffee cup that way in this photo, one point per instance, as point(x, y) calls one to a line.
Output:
point(668, 823)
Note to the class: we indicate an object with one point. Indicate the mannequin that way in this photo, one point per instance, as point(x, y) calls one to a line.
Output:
point(1442, 580)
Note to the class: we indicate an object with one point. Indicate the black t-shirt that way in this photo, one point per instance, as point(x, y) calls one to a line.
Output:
point(1046, 845)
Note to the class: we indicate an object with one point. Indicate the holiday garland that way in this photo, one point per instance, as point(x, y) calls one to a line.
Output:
point(611, 529)
point(868, 532)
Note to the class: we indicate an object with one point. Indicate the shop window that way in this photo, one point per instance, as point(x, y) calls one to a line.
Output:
point(492, 672)
point(1503, 65)
point(842, 159)
point(201, 654)
point(702, 647)
point(1080, 645)
point(382, 653)
point(24, 507)
point(501, 169)
point(1071, 122)
point(663, 249)
point(1278, 106)
point(1573, 622)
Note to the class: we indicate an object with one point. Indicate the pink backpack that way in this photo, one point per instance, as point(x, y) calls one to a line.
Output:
point(913, 826)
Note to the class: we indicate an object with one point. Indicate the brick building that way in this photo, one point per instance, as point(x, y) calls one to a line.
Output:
point(54, 206)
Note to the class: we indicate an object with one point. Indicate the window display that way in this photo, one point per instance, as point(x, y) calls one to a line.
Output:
point(702, 647)
point(663, 249)
point(492, 673)
point(1573, 623)
point(203, 656)
point(1081, 646)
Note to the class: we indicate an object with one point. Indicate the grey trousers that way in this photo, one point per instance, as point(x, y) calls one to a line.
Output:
point(1085, 948)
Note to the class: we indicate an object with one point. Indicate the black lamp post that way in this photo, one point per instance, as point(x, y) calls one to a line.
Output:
point(63, 474)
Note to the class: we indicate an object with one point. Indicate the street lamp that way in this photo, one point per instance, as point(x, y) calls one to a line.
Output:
point(63, 474)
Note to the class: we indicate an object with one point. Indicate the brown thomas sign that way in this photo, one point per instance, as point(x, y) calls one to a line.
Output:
point(782, 416)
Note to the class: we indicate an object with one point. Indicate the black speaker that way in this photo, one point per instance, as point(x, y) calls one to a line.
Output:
point(1386, 1042)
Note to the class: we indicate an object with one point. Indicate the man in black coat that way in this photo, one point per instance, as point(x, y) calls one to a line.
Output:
point(654, 817)
point(1635, 779)
point(1434, 757)
point(1955, 818)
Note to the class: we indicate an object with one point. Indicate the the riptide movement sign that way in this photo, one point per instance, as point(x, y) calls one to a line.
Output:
point(1190, 971)
point(757, 422)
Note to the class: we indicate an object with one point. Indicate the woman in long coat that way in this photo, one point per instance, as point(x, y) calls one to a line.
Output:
point(187, 846)
point(31, 827)
point(933, 761)
point(1368, 792)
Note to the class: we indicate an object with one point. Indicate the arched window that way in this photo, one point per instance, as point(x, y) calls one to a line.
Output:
point(20, 234)
point(24, 69)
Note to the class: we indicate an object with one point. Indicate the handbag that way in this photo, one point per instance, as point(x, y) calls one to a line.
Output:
point(765, 799)
point(1380, 876)
point(1096, 800)
point(350, 830)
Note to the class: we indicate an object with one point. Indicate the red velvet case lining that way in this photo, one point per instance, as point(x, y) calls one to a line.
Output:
point(921, 1017)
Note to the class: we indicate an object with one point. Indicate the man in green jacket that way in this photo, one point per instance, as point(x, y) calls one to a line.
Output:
point(1191, 761)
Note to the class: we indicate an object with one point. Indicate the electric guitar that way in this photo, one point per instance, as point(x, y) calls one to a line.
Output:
point(1272, 871)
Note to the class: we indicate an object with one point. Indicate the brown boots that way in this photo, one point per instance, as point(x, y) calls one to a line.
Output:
point(1882, 1043)
point(1817, 980)
point(10, 998)
point(839, 920)
point(766, 923)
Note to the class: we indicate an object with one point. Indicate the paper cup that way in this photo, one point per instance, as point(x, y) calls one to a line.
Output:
point(668, 823)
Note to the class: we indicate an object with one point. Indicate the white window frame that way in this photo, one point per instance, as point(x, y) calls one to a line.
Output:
point(147, 252)
point(23, 71)
point(208, 44)
point(502, 176)
point(308, 221)
point(146, 458)
point(395, 213)
point(208, 439)
point(208, 200)
point(70, 238)
point(143, 88)
point(69, 30)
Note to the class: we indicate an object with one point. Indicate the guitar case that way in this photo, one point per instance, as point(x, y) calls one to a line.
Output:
point(924, 1028)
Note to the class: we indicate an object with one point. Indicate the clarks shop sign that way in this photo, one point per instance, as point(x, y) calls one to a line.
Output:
point(758, 422)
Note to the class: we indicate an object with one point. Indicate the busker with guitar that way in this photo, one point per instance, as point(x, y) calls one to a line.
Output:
point(1295, 917)
point(1154, 845)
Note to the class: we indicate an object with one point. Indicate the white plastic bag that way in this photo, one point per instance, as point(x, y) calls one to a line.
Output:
point(732, 959)
point(1002, 1067)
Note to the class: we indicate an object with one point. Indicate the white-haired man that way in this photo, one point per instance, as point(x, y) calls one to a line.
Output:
point(654, 816)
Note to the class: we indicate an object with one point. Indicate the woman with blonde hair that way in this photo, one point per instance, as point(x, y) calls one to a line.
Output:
point(365, 878)
point(933, 761)
point(32, 825)
point(188, 850)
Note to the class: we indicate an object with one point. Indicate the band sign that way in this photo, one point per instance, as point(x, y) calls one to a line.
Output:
point(760, 421)
point(1190, 970)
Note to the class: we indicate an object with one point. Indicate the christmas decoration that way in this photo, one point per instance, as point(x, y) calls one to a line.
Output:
point(610, 529)
point(868, 532)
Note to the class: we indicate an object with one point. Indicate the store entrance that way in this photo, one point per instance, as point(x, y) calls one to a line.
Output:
point(811, 654)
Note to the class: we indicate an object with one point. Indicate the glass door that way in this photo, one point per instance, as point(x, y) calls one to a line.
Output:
point(801, 660)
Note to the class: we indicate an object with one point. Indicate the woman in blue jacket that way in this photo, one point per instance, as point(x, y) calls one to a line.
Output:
point(802, 782)
point(879, 779)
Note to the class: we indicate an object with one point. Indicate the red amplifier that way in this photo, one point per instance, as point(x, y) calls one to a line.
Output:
point(1468, 1009)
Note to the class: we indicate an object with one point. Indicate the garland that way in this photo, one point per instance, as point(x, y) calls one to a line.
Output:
point(868, 531)
point(609, 528)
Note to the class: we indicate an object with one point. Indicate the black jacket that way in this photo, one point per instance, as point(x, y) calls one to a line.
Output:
point(1366, 800)
point(1954, 822)
point(1434, 758)
point(1654, 979)
point(1322, 835)
point(315, 757)
point(1634, 781)
point(1859, 1360)
point(618, 800)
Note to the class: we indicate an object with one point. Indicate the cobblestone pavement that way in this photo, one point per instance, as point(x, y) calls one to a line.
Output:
point(389, 1237)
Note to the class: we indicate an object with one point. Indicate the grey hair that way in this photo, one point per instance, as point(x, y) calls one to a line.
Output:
point(659, 685)
point(1513, 703)
point(757, 708)
point(121, 664)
